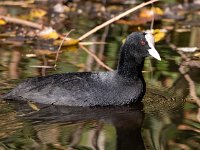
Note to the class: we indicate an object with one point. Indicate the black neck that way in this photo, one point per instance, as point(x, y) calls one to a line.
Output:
point(129, 66)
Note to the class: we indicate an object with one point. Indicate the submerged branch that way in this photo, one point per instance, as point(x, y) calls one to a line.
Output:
point(182, 70)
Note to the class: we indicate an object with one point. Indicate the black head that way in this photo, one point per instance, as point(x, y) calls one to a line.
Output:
point(140, 45)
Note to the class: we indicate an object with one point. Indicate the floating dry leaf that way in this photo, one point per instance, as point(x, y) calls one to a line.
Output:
point(37, 13)
point(148, 13)
point(72, 48)
point(158, 34)
point(67, 42)
point(48, 33)
point(157, 11)
point(2, 22)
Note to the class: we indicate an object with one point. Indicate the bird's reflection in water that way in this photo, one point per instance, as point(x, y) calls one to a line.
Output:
point(117, 127)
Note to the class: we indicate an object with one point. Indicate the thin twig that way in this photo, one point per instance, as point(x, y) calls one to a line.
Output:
point(18, 3)
point(153, 18)
point(91, 43)
point(57, 53)
point(22, 22)
point(115, 19)
point(95, 57)
point(102, 47)
point(45, 64)
point(37, 66)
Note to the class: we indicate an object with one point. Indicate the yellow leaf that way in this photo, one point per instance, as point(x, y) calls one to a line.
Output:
point(71, 48)
point(157, 11)
point(67, 42)
point(148, 13)
point(48, 33)
point(52, 35)
point(158, 34)
point(37, 13)
point(2, 22)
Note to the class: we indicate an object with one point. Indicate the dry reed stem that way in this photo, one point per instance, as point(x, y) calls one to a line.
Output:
point(22, 22)
point(91, 43)
point(115, 19)
point(57, 53)
point(16, 3)
point(95, 57)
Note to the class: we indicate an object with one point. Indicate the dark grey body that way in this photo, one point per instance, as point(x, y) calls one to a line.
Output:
point(80, 89)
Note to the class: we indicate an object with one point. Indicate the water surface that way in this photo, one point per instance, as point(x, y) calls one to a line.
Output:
point(168, 117)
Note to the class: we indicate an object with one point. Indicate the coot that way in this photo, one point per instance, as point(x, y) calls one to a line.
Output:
point(124, 86)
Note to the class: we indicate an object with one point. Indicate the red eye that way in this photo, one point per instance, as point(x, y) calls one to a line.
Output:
point(142, 42)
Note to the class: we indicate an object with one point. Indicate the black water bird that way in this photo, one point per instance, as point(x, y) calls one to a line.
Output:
point(121, 87)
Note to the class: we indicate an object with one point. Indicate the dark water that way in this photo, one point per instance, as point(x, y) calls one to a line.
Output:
point(168, 117)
